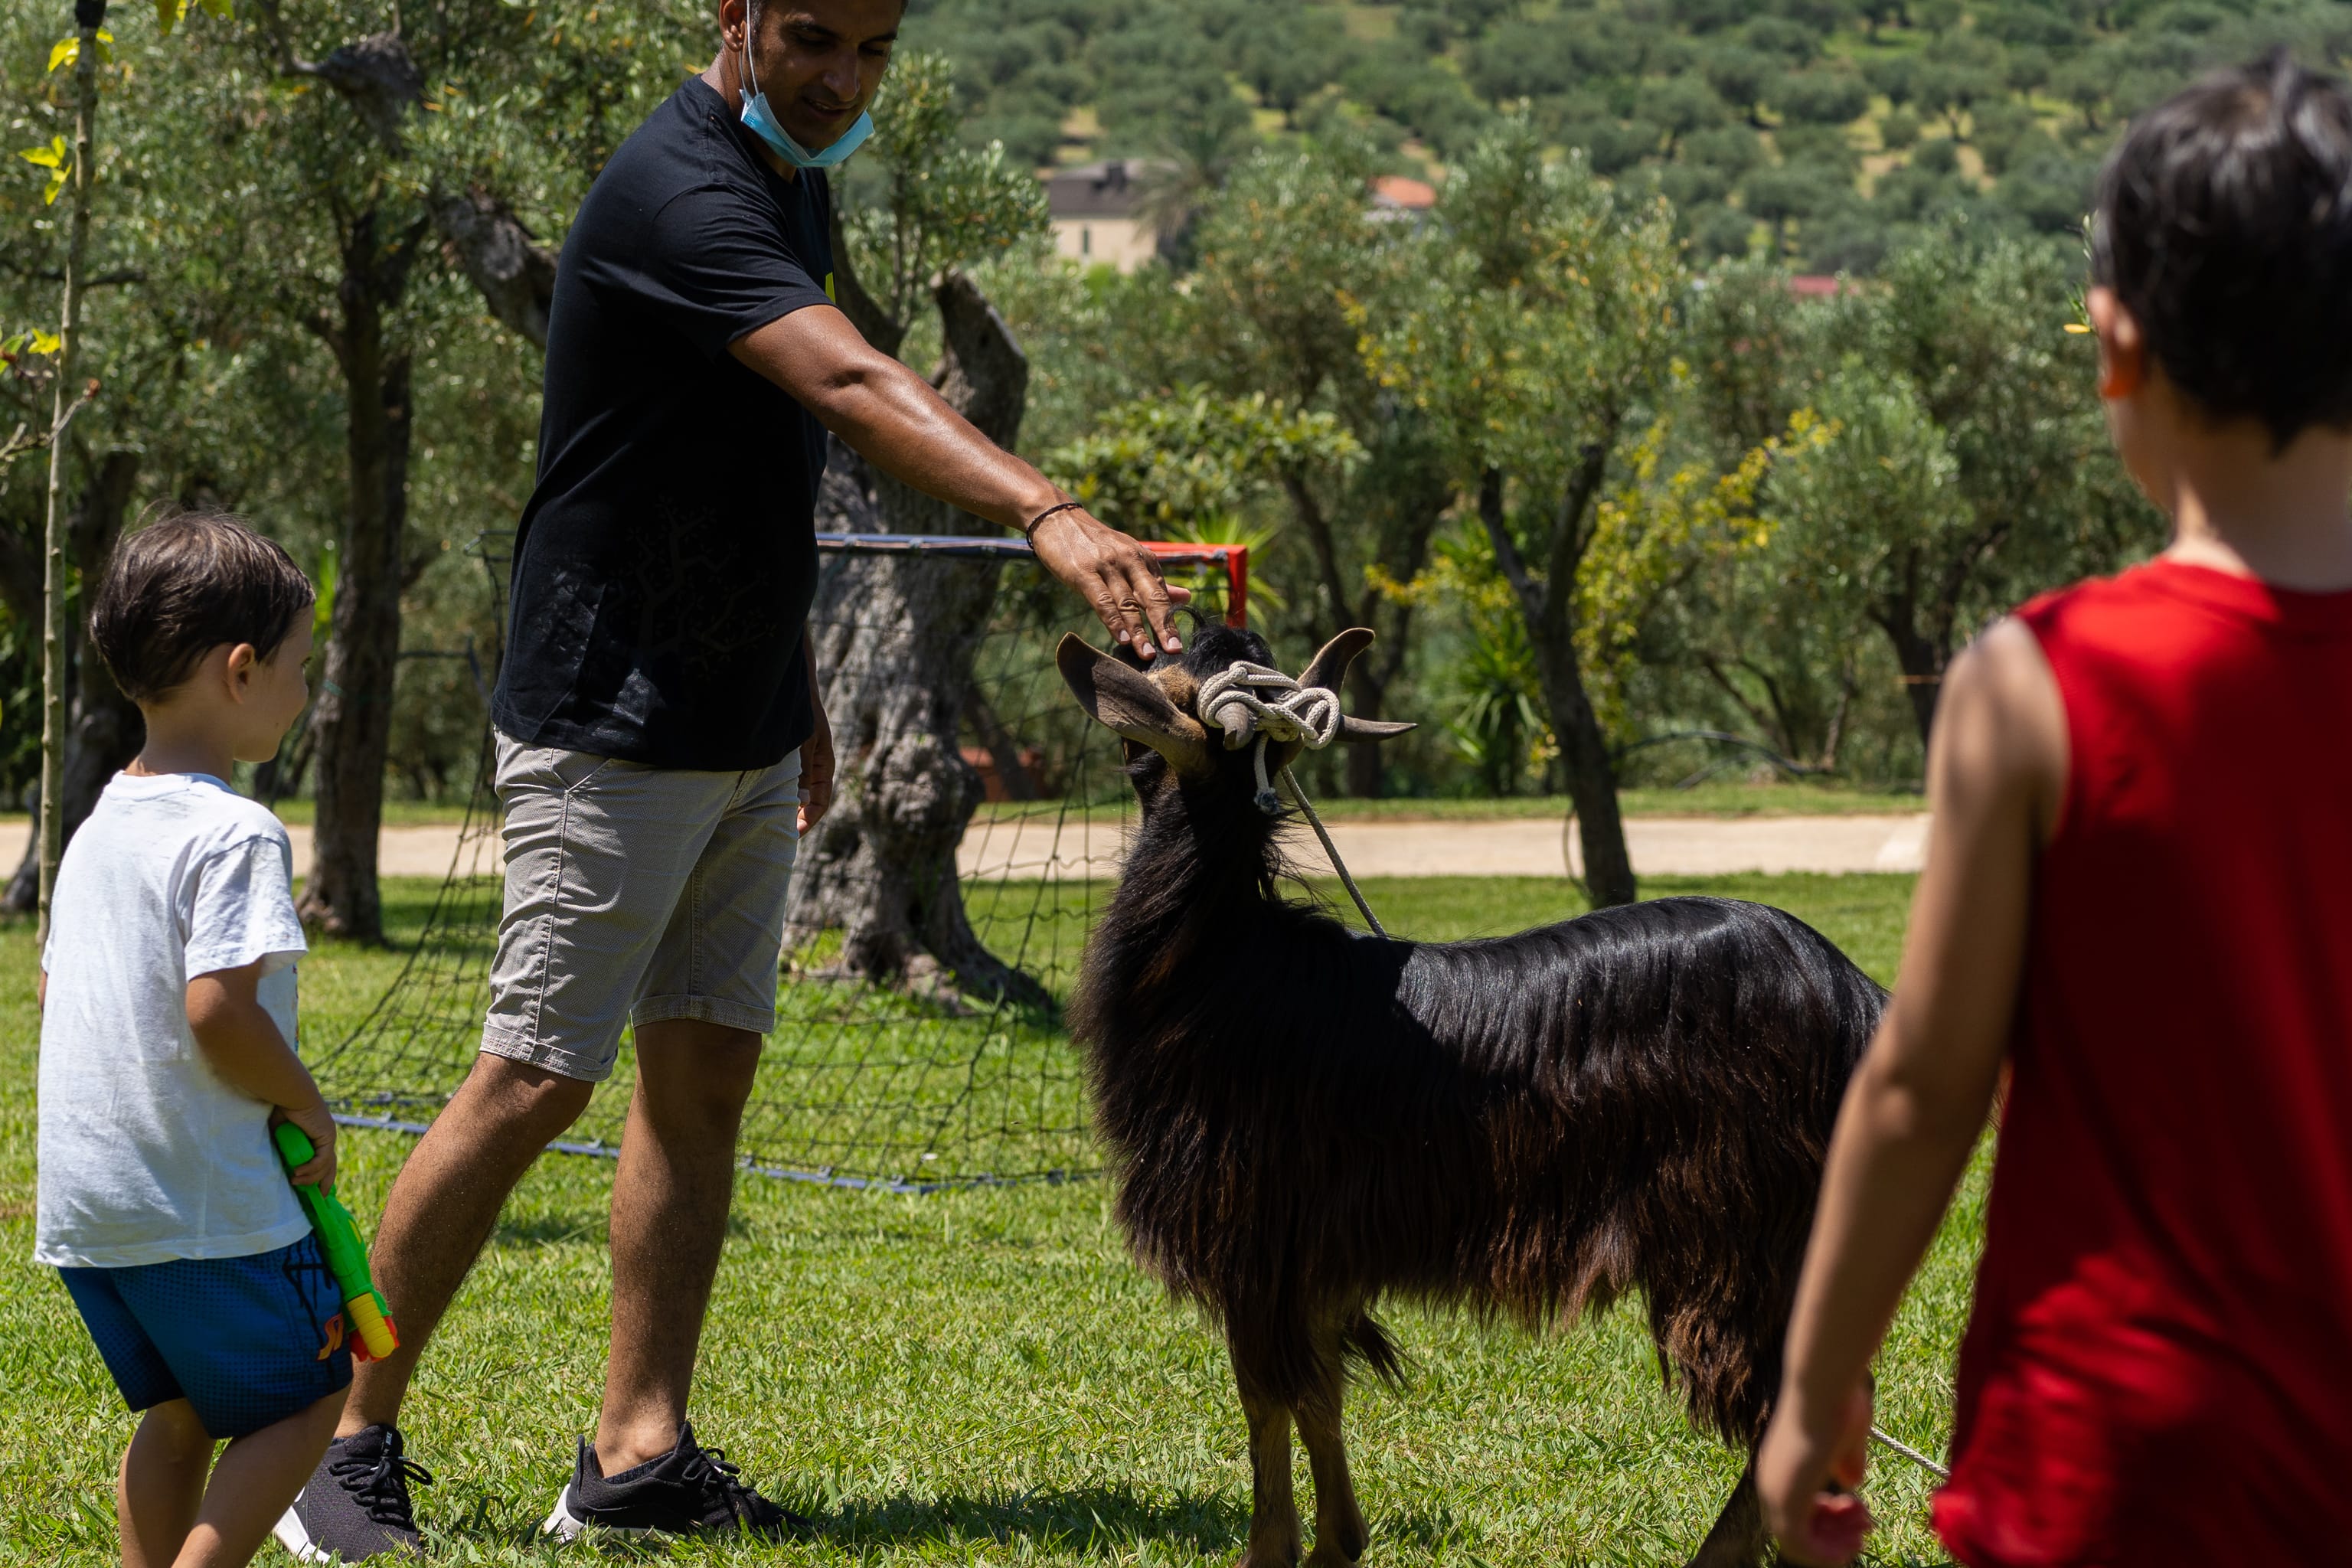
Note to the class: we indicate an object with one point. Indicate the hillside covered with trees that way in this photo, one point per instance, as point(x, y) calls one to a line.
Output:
point(1827, 127)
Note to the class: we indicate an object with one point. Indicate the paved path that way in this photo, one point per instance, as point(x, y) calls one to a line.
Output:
point(400, 851)
point(1661, 846)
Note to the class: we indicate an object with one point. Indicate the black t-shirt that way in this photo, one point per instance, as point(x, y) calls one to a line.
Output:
point(665, 566)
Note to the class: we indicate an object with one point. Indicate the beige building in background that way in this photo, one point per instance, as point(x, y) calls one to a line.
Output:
point(1095, 211)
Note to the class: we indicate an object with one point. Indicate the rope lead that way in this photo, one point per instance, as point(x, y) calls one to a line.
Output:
point(1911, 1453)
point(1338, 865)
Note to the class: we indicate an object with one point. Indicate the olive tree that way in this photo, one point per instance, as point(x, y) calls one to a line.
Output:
point(896, 637)
point(1972, 466)
point(1545, 328)
point(1296, 265)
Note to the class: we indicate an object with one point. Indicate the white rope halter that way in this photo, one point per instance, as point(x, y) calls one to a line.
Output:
point(1230, 700)
point(1234, 699)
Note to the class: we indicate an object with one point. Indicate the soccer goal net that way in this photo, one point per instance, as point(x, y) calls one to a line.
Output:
point(919, 1039)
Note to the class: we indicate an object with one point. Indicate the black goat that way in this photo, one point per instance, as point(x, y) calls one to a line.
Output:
point(1303, 1120)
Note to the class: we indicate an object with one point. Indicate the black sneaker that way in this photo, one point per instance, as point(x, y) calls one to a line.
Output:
point(691, 1491)
point(356, 1505)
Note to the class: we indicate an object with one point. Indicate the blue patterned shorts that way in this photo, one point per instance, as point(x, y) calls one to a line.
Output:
point(247, 1342)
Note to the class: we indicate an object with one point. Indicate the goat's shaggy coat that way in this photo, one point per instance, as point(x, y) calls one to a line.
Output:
point(1303, 1120)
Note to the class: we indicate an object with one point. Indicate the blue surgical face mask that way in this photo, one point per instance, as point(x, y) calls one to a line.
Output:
point(765, 126)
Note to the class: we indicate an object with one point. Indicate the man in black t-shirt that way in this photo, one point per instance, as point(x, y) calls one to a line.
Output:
point(661, 739)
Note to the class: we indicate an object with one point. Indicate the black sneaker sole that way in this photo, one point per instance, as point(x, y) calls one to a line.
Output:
point(567, 1526)
point(291, 1534)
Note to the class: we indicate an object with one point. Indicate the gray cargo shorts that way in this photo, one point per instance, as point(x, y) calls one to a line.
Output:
point(635, 894)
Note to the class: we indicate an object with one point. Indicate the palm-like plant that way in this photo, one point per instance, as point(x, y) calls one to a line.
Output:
point(1232, 530)
point(1498, 725)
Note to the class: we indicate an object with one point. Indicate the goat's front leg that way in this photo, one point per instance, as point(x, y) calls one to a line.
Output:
point(1738, 1539)
point(1340, 1533)
point(1274, 1513)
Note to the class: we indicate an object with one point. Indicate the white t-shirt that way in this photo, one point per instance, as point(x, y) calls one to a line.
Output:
point(146, 1153)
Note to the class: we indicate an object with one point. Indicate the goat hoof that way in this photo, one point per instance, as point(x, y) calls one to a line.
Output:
point(1268, 1557)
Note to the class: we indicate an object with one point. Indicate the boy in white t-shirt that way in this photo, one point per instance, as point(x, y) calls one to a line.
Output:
point(167, 1049)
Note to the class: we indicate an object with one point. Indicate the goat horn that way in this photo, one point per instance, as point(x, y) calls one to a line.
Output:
point(1240, 725)
point(1330, 668)
point(1354, 729)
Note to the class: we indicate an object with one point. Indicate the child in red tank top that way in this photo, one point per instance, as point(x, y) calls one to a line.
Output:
point(2138, 894)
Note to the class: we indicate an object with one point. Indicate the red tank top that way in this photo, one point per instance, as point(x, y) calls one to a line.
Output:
point(2158, 1367)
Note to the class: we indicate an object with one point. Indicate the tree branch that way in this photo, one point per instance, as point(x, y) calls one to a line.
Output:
point(1532, 598)
point(289, 62)
point(875, 324)
point(514, 276)
point(1569, 536)
point(1713, 665)
point(379, 78)
point(1319, 535)
point(391, 276)
point(984, 374)
point(98, 281)
point(321, 322)
point(1953, 581)
point(17, 444)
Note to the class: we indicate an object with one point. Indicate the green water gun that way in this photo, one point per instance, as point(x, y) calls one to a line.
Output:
point(339, 1238)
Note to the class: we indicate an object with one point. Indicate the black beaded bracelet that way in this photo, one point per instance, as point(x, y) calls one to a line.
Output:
point(1030, 533)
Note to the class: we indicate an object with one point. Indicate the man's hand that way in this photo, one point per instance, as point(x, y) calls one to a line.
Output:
point(314, 1120)
point(1807, 1472)
point(1118, 577)
point(816, 772)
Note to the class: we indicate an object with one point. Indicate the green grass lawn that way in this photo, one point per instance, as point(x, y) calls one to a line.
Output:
point(977, 1376)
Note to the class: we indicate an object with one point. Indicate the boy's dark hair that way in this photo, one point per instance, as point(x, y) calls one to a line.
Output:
point(2225, 227)
point(178, 589)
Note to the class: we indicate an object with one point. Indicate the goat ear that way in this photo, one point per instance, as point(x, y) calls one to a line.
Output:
point(1330, 668)
point(1128, 703)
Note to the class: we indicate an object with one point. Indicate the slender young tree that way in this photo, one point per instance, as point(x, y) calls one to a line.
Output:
point(385, 200)
point(89, 15)
point(1547, 327)
point(1297, 265)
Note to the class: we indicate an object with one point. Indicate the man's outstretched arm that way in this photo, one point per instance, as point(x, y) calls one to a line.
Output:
point(901, 425)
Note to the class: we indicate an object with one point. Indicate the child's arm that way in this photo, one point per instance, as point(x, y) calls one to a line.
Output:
point(1997, 769)
point(241, 1040)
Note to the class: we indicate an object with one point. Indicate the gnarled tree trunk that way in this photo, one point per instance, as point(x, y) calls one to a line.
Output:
point(103, 728)
point(895, 638)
